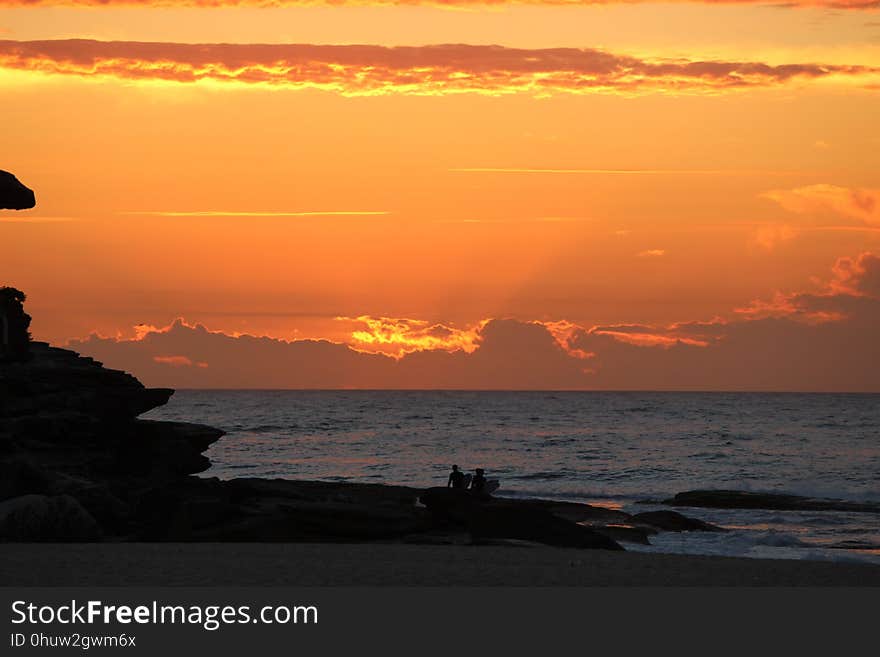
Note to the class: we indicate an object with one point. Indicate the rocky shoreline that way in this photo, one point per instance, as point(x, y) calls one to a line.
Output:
point(78, 464)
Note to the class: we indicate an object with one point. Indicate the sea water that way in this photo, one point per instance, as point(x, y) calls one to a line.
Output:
point(612, 448)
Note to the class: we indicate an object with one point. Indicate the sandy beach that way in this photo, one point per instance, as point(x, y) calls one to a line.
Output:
point(310, 564)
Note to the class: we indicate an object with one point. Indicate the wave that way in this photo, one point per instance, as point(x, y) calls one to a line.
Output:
point(754, 545)
point(542, 476)
point(267, 428)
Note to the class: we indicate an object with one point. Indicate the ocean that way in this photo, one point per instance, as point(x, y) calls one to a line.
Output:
point(620, 449)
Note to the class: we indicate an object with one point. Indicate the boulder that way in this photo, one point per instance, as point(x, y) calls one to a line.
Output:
point(43, 518)
point(672, 521)
point(733, 499)
point(111, 513)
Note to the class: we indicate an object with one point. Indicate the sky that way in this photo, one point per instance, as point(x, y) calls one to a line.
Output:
point(405, 194)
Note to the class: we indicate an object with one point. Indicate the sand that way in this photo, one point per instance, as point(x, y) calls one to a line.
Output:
point(312, 564)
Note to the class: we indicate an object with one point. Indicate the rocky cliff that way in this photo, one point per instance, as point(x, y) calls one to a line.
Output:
point(76, 463)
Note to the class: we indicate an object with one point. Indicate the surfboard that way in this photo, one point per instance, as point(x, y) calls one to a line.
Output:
point(492, 485)
point(466, 482)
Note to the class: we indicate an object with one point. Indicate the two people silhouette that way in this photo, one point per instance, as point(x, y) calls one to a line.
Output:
point(457, 479)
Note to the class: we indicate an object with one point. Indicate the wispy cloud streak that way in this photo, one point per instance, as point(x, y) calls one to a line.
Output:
point(423, 70)
point(630, 172)
point(852, 203)
point(221, 213)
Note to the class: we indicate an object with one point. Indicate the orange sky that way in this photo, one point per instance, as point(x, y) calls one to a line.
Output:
point(646, 164)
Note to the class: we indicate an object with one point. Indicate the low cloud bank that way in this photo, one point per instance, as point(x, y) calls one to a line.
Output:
point(825, 339)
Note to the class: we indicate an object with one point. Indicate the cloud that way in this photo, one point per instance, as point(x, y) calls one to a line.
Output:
point(511, 355)
point(825, 339)
point(422, 70)
point(822, 339)
point(174, 361)
point(859, 276)
point(652, 253)
point(770, 353)
point(850, 203)
point(854, 283)
point(769, 236)
point(566, 333)
point(397, 337)
point(834, 4)
point(177, 361)
point(794, 307)
point(640, 335)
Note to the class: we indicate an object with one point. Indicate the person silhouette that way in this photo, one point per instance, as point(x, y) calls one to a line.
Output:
point(478, 483)
point(456, 478)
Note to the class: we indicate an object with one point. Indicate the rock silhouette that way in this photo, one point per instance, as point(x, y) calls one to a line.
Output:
point(72, 444)
point(59, 516)
point(14, 323)
point(733, 499)
point(14, 195)
point(487, 518)
point(672, 521)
